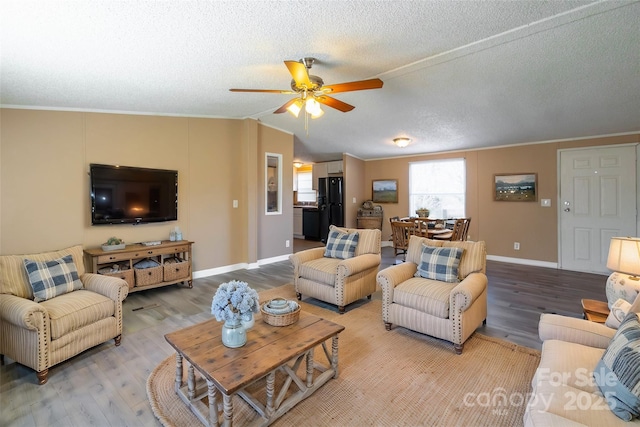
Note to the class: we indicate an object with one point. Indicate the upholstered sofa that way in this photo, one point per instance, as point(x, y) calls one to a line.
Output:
point(564, 392)
point(335, 280)
point(448, 310)
point(42, 334)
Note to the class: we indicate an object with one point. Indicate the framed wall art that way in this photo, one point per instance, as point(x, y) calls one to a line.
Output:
point(516, 187)
point(385, 191)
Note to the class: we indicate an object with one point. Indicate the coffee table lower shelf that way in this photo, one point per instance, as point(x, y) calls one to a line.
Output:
point(194, 390)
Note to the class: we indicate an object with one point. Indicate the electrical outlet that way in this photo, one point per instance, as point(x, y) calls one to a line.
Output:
point(516, 246)
point(287, 243)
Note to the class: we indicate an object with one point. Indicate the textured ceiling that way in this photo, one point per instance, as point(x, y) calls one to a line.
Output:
point(456, 74)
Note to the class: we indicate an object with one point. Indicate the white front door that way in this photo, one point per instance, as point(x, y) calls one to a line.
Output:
point(597, 201)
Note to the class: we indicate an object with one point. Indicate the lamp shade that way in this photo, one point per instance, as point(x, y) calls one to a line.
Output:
point(624, 255)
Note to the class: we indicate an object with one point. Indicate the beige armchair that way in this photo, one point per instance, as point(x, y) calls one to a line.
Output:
point(450, 311)
point(42, 334)
point(339, 281)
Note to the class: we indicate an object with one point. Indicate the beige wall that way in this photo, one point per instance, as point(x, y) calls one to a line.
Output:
point(498, 223)
point(44, 183)
point(275, 232)
point(354, 188)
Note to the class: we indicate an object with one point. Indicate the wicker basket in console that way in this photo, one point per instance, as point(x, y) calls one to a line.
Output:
point(126, 275)
point(176, 269)
point(148, 276)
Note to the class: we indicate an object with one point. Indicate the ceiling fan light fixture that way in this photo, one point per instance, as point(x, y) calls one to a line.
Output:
point(317, 114)
point(295, 108)
point(313, 107)
point(402, 142)
point(297, 165)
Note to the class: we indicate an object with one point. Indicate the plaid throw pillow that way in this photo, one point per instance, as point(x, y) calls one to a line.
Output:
point(341, 245)
point(49, 279)
point(618, 374)
point(438, 263)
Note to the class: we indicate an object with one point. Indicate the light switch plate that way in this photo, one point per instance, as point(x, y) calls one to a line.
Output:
point(545, 202)
point(235, 203)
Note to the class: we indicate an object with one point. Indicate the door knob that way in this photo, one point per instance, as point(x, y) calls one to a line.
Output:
point(567, 209)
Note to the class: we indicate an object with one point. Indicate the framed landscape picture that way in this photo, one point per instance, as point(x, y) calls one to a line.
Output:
point(522, 187)
point(385, 191)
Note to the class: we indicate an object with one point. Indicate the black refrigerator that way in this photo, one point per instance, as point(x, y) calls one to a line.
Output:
point(330, 204)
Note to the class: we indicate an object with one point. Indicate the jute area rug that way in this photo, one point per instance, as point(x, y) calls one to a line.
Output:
point(390, 378)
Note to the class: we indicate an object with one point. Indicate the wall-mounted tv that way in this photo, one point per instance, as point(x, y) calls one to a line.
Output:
point(131, 195)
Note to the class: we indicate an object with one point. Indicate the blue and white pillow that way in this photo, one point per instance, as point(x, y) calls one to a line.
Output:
point(341, 245)
point(439, 263)
point(618, 372)
point(49, 279)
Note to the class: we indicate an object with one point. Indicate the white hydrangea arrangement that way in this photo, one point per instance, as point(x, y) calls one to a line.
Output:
point(233, 300)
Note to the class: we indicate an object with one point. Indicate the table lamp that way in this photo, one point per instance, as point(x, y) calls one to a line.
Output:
point(624, 260)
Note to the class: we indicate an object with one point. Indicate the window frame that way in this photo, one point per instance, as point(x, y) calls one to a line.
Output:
point(462, 195)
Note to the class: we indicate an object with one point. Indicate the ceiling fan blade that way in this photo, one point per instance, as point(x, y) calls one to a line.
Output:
point(285, 106)
point(287, 92)
point(299, 73)
point(351, 86)
point(334, 103)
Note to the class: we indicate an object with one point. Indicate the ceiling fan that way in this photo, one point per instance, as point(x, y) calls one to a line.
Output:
point(312, 92)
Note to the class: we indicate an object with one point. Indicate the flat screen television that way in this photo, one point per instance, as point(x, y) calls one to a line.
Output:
point(131, 195)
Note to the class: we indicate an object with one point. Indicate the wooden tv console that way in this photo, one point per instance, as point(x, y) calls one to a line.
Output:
point(169, 271)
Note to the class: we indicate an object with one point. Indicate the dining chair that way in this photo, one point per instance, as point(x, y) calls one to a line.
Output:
point(421, 228)
point(400, 233)
point(459, 231)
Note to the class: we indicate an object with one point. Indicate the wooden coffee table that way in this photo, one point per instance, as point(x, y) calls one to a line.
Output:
point(230, 371)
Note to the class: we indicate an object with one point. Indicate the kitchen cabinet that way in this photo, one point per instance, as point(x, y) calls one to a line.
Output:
point(319, 171)
point(334, 167)
point(297, 223)
point(324, 169)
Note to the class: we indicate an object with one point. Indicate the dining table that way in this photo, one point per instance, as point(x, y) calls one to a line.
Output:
point(429, 232)
point(432, 232)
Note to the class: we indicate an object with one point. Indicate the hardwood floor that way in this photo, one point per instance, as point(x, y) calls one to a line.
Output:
point(106, 385)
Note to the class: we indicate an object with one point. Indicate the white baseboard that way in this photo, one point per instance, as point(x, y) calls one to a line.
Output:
point(249, 266)
point(220, 270)
point(274, 259)
point(240, 266)
point(523, 261)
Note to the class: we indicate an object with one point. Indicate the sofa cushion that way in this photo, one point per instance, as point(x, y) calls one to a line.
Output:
point(50, 279)
point(368, 239)
point(568, 364)
point(425, 295)
point(473, 259)
point(13, 276)
point(322, 270)
point(341, 245)
point(72, 311)
point(618, 372)
point(561, 405)
point(439, 264)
